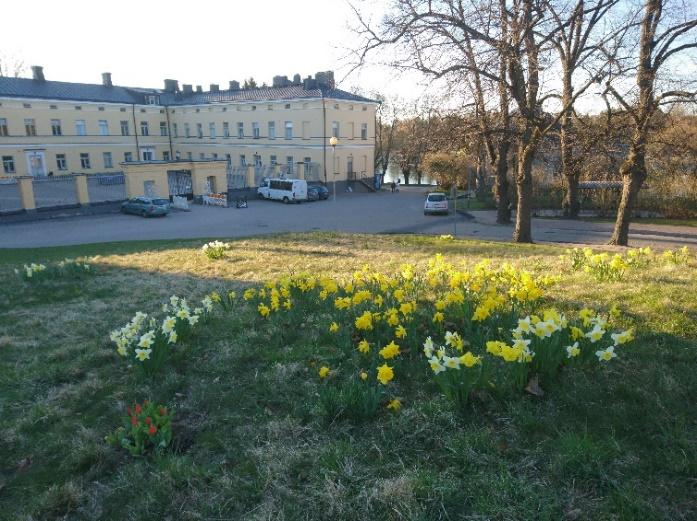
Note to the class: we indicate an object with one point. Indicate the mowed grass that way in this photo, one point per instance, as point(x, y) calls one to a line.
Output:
point(250, 443)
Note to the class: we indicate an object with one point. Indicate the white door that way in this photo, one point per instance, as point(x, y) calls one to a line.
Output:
point(37, 164)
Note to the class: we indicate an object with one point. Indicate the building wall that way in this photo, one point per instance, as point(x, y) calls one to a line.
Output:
point(307, 118)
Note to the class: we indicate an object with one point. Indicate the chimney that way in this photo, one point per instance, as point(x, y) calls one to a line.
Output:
point(187, 89)
point(106, 79)
point(234, 85)
point(37, 73)
point(215, 87)
point(297, 80)
point(198, 88)
point(171, 86)
point(325, 79)
point(309, 83)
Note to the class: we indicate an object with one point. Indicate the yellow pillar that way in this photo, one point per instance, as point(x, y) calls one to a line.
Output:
point(250, 176)
point(83, 195)
point(26, 193)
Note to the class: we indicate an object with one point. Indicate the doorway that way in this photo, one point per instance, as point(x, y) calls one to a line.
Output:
point(36, 162)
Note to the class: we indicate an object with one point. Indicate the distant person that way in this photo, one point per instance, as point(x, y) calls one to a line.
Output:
point(392, 186)
point(398, 182)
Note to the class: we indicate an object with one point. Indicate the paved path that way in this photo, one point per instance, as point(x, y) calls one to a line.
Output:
point(356, 212)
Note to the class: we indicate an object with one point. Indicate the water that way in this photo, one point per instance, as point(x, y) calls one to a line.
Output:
point(393, 173)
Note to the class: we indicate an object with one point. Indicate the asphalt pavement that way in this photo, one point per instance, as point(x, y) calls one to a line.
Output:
point(382, 212)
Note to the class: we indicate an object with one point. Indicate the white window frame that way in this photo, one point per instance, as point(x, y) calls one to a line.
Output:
point(56, 127)
point(103, 127)
point(80, 127)
point(272, 130)
point(108, 160)
point(288, 130)
point(211, 130)
point(144, 128)
point(85, 160)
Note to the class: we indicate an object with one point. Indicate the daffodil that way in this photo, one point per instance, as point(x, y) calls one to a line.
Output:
point(436, 365)
point(451, 362)
point(573, 350)
point(607, 354)
point(394, 404)
point(469, 360)
point(400, 332)
point(623, 337)
point(363, 346)
point(365, 321)
point(389, 351)
point(333, 327)
point(143, 354)
point(264, 310)
point(438, 317)
point(385, 374)
point(363, 375)
point(428, 347)
point(595, 334)
point(323, 371)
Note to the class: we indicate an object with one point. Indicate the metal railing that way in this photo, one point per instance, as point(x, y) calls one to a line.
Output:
point(54, 191)
point(103, 188)
point(10, 197)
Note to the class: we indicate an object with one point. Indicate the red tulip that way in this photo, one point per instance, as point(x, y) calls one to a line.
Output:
point(152, 430)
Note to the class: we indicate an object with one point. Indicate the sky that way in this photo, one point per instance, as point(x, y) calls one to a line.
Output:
point(198, 42)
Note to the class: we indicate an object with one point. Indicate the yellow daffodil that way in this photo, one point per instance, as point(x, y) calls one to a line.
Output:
point(333, 327)
point(323, 371)
point(363, 346)
point(143, 354)
point(623, 337)
point(605, 355)
point(438, 317)
point(389, 351)
point(469, 360)
point(595, 334)
point(385, 374)
point(365, 321)
point(363, 375)
point(573, 350)
point(264, 310)
point(400, 332)
point(394, 404)
point(436, 365)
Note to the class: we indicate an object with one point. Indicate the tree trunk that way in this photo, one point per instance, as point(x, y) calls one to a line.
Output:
point(571, 204)
point(523, 220)
point(405, 173)
point(633, 172)
point(503, 210)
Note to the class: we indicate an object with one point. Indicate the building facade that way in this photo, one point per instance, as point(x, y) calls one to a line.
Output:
point(53, 128)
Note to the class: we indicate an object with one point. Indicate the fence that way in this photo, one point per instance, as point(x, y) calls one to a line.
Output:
point(54, 191)
point(10, 198)
point(236, 177)
point(106, 187)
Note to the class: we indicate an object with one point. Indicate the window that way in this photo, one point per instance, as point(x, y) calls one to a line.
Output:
point(8, 164)
point(351, 130)
point(53, 107)
point(211, 130)
point(202, 156)
point(152, 100)
point(3, 127)
point(144, 128)
point(30, 126)
point(103, 127)
point(175, 129)
point(336, 106)
point(100, 109)
point(177, 155)
point(273, 160)
point(214, 156)
point(243, 160)
point(226, 129)
point(364, 131)
point(123, 109)
point(228, 158)
point(187, 130)
point(257, 160)
point(199, 130)
point(335, 129)
point(77, 107)
point(289, 164)
point(80, 128)
point(240, 130)
point(272, 130)
point(189, 156)
point(289, 130)
point(163, 128)
point(287, 105)
point(364, 108)
point(124, 128)
point(128, 157)
point(255, 130)
point(56, 127)
point(61, 163)
point(148, 155)
point(85, 161)
point(165, 155)
point(254, 107)
point(108, 163)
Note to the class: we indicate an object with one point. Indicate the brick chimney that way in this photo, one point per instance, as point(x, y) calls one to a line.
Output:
point(198, 88)
point(106, 79)
point(215, 87)
point(37, 72)
point(234, 85)
point(171, 86)
point(187, 88)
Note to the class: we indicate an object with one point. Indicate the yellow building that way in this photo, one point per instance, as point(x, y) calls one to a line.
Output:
point(52, 128)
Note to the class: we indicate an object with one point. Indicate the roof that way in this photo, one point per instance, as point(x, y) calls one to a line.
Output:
point(61, 90)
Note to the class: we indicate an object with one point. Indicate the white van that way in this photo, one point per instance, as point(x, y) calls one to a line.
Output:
point(285, 190)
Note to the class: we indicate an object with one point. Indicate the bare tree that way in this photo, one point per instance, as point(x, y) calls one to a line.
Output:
point(575, 45)
point(386, 121)
point(434, 36)
point(663, 36)
point(11, 66)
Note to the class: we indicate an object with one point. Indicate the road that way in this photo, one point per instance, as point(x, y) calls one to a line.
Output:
point(382, 212)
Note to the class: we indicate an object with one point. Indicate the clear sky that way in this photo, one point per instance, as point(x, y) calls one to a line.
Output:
point(196, 41)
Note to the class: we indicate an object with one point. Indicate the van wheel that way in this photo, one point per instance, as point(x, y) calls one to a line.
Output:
point(286, 200)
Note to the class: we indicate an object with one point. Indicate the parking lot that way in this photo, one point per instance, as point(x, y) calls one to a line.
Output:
point(382, 212)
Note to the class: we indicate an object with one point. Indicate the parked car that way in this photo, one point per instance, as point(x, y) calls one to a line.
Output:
point(285, 190)
point(146, 206)
point(312, 193)
point(436, 202)
point(322, 191)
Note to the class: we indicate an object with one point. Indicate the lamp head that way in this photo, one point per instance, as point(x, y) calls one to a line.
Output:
point(333, 141)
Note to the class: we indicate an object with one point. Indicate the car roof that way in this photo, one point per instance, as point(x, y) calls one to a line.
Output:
point(436, 193)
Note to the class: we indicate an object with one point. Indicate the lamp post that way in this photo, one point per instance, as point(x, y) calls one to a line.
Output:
point(333, 141)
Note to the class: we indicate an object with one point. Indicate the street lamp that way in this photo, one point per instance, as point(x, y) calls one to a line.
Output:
point(333, 141)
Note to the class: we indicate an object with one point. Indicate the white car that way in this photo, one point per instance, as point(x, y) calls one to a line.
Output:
point(436, 202)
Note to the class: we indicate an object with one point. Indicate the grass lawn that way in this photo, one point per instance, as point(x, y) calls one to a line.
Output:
point(667, 222)
point(250, 440)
